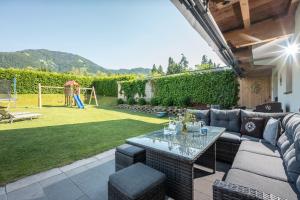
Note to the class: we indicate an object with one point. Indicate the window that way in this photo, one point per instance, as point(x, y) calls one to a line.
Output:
point(289, 79)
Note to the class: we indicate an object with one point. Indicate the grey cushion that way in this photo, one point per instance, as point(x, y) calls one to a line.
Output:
point(233, 137)
point(136, 180)
point(298, 184)
point(246, 113)
point(249, 138)
point(229, 119)
point(130, 150)
point(279, 188)
point(263, 165)
point(286, 119)
point(201, 115)
point(263, 148)
point(271, 131)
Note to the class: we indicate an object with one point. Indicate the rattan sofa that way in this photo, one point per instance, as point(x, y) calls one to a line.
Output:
point(259, 170)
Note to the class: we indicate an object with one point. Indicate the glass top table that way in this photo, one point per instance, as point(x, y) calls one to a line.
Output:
point(188, 145)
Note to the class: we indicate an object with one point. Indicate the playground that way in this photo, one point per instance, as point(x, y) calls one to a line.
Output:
point(64, 133)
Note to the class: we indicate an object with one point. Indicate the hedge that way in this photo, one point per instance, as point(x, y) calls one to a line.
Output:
point(27, 81)
point(220, 87)
point(108, 86)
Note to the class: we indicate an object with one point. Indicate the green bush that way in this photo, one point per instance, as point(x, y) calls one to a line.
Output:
point(131, 101)
point(120, 101)
point(142, 101)
point(154, 101)
point(208, 88)
point(168, 101)
point(184, 101)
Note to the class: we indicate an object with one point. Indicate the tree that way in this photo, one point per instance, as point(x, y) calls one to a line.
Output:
point(205, 64)
point(154, 69)
point(160, 70)
point(204, 60)
point(171, 66)
point(184, 63)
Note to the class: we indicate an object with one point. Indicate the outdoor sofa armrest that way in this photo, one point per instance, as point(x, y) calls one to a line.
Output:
point(228, 191)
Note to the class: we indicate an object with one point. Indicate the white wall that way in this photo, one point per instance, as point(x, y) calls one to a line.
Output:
point(291, 102)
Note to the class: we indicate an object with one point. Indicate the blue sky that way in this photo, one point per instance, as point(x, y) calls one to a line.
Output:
point(112, 33)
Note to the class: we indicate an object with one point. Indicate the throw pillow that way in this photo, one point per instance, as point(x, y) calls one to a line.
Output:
point(253, 126)
point(271, 131)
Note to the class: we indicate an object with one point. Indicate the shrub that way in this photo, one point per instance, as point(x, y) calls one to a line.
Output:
point(120, 101)
point(142, 101)
point(220, 87)
point(168, 101)
point(184, 101)
point(131, 101)
point(154, 101)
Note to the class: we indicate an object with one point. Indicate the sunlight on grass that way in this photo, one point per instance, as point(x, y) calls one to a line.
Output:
point(63, 135)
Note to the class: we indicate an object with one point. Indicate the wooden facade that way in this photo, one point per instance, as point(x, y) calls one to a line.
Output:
point(254, 91)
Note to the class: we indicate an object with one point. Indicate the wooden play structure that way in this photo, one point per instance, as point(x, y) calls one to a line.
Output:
point(72, 91)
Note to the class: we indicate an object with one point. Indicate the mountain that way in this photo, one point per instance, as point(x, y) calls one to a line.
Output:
point(57, 61)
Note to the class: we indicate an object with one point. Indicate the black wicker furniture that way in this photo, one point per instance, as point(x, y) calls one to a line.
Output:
point(127, 155)
point(136, 182)
point(271, 107)
point(175, 156)
point(263, 171)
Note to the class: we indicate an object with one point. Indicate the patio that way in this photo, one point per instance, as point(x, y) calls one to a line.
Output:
point(87, 180)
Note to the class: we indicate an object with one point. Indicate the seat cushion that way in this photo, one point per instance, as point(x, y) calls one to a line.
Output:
point(263, 165)
point(201, 115)
point(279, 188)
point(130, 150)
point(229, 119)
point(249, 138)
point(136, 180)
point(263, 148)
point(233, 137)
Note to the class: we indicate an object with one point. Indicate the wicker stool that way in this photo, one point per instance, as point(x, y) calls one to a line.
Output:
point(136, 182)
point(127, 155)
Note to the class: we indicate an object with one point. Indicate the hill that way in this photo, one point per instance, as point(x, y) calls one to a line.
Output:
point(56, 61)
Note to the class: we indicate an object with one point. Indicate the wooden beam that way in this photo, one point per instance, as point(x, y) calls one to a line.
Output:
point(221, 5)
point(244, 4)
point(264, 31)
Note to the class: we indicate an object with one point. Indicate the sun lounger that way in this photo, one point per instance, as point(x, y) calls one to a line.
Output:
point(12, 116)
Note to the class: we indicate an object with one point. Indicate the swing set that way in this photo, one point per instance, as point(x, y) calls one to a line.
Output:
point(71, 91)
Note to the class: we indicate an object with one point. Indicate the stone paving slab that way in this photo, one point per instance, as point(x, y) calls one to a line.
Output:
point(32, 179)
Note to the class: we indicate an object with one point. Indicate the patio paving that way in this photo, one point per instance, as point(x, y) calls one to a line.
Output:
point(87, 180)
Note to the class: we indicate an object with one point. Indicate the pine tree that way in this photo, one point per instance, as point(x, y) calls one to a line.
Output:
point(184, 63)
point(160, 70)
point(154, 69)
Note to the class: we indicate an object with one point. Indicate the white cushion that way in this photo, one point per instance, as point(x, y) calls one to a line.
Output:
point(271, 131)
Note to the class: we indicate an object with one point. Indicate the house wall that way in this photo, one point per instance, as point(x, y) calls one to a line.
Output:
point(290, 101)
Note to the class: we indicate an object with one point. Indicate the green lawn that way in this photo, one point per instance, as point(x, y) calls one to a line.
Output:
point(64, 135)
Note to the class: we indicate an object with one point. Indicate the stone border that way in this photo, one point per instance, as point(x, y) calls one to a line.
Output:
point(172, 110)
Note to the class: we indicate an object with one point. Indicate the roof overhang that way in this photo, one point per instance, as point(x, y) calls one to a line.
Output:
point(202, 21)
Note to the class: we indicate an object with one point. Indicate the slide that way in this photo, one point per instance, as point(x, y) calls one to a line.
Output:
point(78, 101)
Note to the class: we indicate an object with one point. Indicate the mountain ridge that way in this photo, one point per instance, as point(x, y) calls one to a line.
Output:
point(58, 61)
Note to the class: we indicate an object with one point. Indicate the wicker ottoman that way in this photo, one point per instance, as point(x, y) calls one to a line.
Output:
point(127, 155)
point(136, 182)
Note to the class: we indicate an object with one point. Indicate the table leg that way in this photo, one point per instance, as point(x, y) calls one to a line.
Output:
point(180, 175)
point(208, 159)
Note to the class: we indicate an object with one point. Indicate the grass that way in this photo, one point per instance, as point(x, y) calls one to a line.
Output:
point(64, 135)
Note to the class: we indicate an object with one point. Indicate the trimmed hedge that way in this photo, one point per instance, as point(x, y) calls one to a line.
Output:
point(108, 86)
point(27, 81)
point(208, 88)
